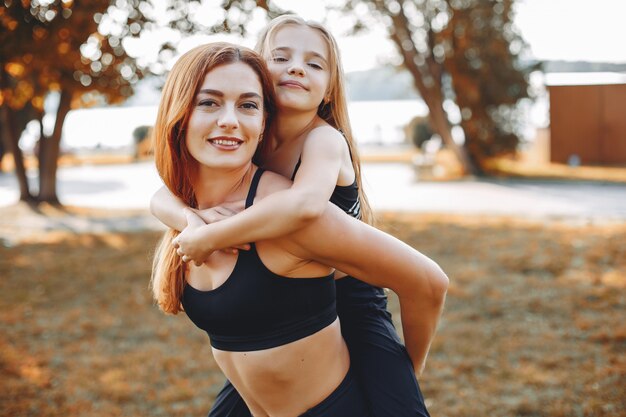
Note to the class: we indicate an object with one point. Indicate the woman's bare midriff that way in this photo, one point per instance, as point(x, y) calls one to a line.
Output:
point(287, 380)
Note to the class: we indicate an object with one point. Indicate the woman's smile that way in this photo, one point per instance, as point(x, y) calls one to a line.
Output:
point(225, 143)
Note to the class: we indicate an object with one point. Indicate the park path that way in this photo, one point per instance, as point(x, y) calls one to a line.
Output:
point(390, 187)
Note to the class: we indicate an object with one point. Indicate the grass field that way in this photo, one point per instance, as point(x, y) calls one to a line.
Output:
point(534, 323)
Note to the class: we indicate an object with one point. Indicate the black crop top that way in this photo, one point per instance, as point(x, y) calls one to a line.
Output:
point(256, 309)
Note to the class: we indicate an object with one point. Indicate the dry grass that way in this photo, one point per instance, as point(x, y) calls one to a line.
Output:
point(534, 324)
point(520, 169)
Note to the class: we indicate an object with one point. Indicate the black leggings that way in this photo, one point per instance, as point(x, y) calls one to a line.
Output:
point(379, 361)
point(347, 400)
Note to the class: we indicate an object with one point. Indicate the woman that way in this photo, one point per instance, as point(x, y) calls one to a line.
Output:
point(311, 142)
point(284, 354)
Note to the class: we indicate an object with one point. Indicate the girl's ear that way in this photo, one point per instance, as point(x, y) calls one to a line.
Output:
point(327, 95)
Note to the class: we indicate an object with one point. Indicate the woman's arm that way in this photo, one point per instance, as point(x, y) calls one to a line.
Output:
point(281, 212)
point(353, 247)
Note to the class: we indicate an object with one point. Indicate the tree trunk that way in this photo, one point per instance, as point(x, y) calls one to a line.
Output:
point(440, 125)
point(49, 153)
point(11, 137)
point(2, 152)
point(430, 89)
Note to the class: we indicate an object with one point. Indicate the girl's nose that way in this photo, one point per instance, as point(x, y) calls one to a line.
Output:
point(296, 70)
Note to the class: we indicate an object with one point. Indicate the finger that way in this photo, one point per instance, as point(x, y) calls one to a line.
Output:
point(228, 250)
point(180, 252)
point(245, 246)
point(223, 211)
point(175, 243)
point(185, 258)
point(192, 218)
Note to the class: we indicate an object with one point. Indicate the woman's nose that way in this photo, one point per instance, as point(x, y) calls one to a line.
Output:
point(228, 119)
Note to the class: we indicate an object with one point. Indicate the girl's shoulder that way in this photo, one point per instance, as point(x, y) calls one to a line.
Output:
point(325, 136)
point(323, 128)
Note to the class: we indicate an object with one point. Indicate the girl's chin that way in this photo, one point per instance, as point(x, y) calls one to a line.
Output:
point(295, 106)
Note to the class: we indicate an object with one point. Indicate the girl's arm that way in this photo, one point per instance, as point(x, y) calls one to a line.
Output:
point(282, 212)
point(168, 209)
point(355, 248)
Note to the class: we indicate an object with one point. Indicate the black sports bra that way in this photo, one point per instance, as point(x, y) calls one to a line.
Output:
point(256, 309)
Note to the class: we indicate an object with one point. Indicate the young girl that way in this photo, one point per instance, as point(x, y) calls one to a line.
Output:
point(311, 143)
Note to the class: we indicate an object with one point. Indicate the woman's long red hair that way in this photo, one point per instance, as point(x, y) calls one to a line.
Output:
point(174, 163)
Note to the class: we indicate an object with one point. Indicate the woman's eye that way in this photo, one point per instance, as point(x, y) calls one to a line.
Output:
point(314, 65)
point(207, 103)
point(250, 106)
point(279, 59)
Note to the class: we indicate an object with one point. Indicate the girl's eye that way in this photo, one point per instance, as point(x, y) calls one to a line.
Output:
point(279, 59)
point(314, 65)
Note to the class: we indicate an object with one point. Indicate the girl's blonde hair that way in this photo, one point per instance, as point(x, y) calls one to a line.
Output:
point(174, 163)
point(335, 110)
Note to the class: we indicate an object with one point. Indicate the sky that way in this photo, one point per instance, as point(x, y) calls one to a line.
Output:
point(590, 30)
point(571, 30)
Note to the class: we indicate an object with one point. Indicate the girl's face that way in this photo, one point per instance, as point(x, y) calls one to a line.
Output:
point(299, 66)
point(227, 119)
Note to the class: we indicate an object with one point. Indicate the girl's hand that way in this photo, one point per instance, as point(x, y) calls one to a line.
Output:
point(192, 243)
point(224, 211)
point(215, 214)
point(188, 243)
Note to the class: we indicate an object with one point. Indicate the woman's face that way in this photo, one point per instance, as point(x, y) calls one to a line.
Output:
point(227, 120)
point(299, 66)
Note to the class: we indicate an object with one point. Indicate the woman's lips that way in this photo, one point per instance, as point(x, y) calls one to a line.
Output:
point(225, 142)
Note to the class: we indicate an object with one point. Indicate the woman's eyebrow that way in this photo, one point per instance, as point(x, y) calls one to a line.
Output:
point(221, 94)
point(211, 92)
point(251, 95)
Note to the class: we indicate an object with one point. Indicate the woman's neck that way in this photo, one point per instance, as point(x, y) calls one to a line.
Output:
point(219, 186)
point(290, 125)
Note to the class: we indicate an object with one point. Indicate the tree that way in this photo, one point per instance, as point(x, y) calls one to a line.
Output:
point(466, 51)
point(54, 47)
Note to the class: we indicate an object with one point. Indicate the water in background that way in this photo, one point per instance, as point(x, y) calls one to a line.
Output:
point(373, 123)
